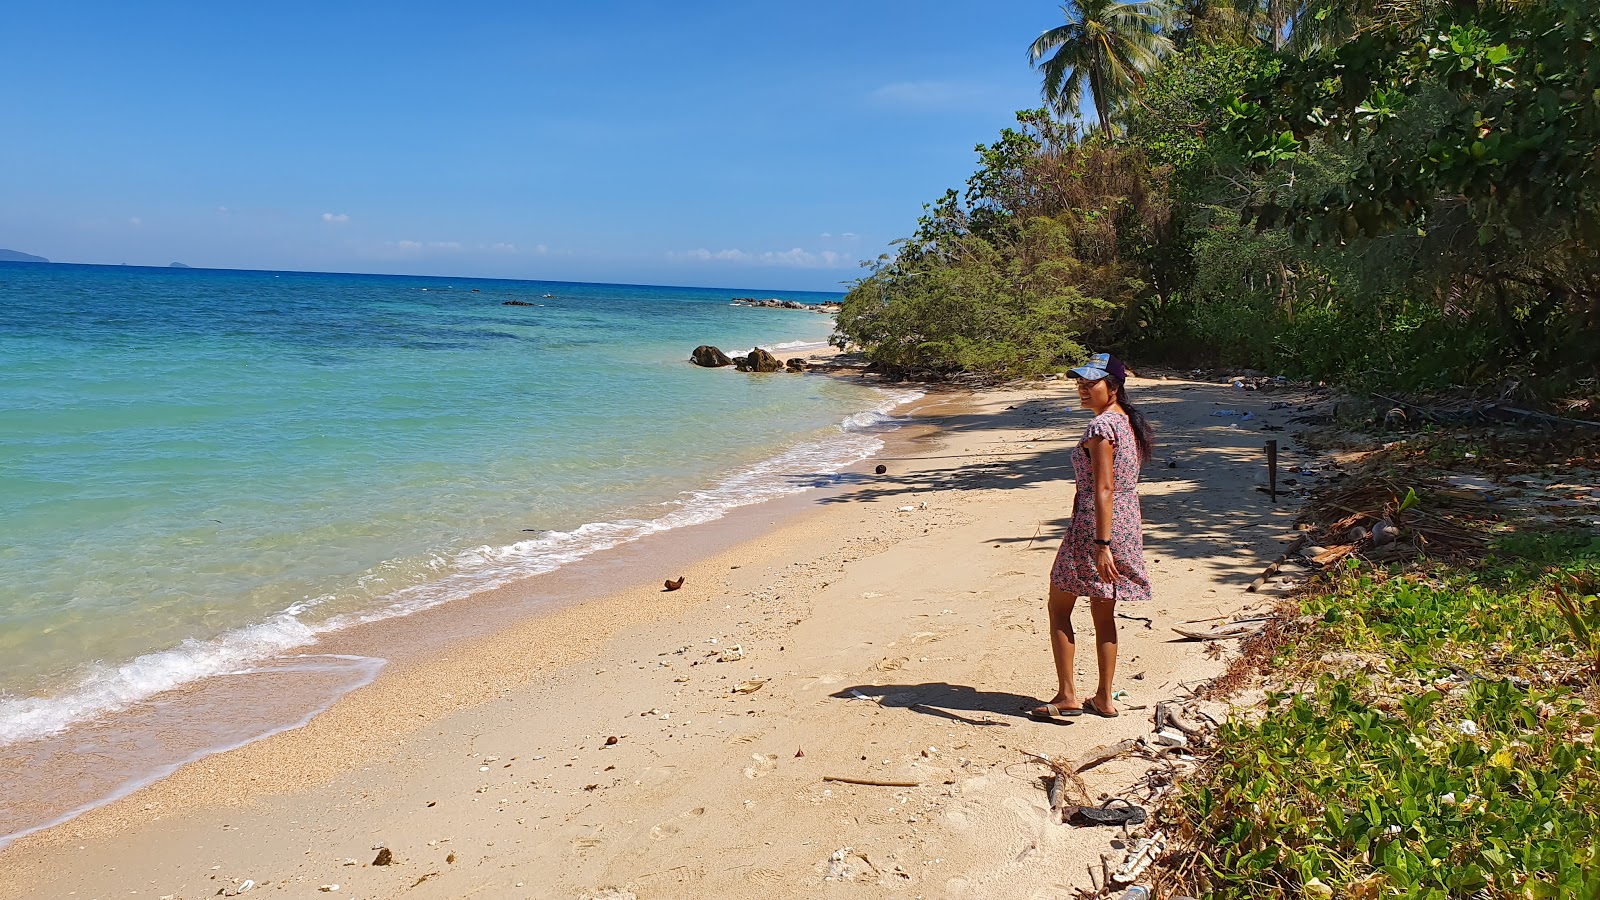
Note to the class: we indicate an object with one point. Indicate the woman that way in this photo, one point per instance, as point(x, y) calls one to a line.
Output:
point(1102, 556)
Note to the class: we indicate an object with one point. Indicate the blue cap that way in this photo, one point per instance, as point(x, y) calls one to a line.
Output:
point(1100, 365)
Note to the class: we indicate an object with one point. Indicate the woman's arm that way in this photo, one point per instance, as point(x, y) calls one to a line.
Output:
point(1102, 453)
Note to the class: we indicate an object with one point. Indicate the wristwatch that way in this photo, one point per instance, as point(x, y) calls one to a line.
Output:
point(1102, 543)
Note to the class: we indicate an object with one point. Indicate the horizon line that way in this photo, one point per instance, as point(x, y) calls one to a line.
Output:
point(185, 266)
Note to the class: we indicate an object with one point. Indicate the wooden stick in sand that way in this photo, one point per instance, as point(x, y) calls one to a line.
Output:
point(871, 781)
point(1272, 570)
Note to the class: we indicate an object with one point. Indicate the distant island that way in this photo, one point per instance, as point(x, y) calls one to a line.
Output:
point(19, 256)
point(177, 266)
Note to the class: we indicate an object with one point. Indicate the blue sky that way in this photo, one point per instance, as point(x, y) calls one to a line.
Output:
point(698, 143)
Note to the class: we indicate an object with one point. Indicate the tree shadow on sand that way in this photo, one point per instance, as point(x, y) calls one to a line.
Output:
point(1198, 495)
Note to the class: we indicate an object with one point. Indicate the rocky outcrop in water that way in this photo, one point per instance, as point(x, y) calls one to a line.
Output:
point(518, 303)
point(710, 357)
point(775, 303)
point(762, 361)
point(758, 360)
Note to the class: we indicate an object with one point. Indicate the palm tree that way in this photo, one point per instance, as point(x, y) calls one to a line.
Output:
point(1273, 19)
point(1209, 22)
point(1103, 51)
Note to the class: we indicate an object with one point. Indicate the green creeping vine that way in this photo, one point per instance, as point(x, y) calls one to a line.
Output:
point(1455, 758)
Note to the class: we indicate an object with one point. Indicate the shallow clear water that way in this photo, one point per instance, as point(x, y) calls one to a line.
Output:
point(202, 469)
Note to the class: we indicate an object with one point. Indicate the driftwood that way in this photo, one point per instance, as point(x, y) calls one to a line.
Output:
point(1167, 715)
point(1272, 570)
point(873, 782)
point(1226, 632)
point(1063, 777)
point(1102, 754)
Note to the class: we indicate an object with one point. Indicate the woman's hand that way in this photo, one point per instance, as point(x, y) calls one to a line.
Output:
point(1105, 565)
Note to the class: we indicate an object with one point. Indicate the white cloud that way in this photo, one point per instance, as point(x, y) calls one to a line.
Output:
point(500, 247)
point(925, 94)
point(445, 245)
point(848, 235)
point(541, 249)
point(408, 245)
point(336, 218)
point(797, 257)
point(826, 235)
point(135, 221)
point(802, 259)
point(704, 254)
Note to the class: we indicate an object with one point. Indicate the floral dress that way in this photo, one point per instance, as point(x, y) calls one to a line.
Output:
point(1074, 572)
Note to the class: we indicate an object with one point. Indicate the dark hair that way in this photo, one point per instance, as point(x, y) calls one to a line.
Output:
point(1144, 437)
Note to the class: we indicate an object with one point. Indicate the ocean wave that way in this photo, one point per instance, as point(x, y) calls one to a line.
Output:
point(803, 346)
point(106, 689)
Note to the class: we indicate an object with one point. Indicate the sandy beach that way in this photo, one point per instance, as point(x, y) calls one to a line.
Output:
point(892, 629)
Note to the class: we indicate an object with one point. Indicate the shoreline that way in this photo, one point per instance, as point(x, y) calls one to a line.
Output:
point(343, 659)
point(545, 662)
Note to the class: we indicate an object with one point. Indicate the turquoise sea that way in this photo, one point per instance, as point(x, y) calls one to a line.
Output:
point(201, 470)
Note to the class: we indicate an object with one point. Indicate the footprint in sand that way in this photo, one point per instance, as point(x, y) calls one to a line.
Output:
point(891, 664)
point(765, 764)
point(768, 877)
point(664, 830)
point(585, 844)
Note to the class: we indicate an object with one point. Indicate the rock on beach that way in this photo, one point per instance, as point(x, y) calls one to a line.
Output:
point(710, 357)
point(760, 360)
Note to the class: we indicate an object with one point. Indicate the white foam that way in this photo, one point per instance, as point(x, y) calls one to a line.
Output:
point(106, 689)
point(805, 346)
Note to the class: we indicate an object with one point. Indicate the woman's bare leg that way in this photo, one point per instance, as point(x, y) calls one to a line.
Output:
point(1104, 612)
point(1062, 648)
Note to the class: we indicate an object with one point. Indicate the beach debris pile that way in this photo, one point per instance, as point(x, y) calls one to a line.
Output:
point(1447, 495)
point(1177, 728)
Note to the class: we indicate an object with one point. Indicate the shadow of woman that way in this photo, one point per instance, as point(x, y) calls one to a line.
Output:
point(955, 702)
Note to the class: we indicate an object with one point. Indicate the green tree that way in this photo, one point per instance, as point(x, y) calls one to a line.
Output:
point(1104, 51)
point(1479, 125)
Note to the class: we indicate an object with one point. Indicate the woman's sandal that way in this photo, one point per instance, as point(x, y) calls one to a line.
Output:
point(1127, 814)
point(1052, 711)
point(1091, 709)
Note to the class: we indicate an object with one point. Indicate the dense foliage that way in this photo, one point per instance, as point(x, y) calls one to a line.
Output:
point(1384, 192)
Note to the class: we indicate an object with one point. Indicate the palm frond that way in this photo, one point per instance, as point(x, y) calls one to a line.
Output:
point(1104, 49)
